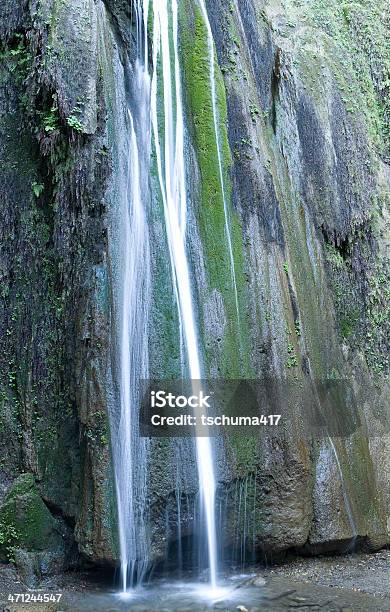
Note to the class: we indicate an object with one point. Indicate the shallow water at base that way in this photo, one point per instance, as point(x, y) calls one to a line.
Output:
point(251, 592)
point(177, 592)
point(357, 582)
point(164, 595)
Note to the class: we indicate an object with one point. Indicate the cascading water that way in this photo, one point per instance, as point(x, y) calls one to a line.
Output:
point(169, 146)
point(129, 450)
point(144, 112)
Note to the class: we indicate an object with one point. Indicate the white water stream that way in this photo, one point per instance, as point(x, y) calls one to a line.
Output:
point(156, 106)
point(131, 482)
point(171, 166)
point(129, 450)
point(156, 114)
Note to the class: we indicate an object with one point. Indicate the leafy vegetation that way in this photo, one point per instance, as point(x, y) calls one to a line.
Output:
point(50, 119)
point(37, 188)
point(9, 537)
point(75, 123)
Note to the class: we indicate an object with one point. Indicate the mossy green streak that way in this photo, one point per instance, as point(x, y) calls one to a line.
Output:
point(210, 213)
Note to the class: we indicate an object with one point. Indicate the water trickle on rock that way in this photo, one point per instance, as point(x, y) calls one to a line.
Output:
point(214, 103)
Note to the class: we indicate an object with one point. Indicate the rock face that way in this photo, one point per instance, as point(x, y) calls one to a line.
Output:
point(24, 509)
point(303, 107)
point(54, 306)
point(38, 543)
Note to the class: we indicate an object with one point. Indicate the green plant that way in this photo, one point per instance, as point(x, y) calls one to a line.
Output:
point(333, 256)
point(349, 322)
point(37, 188)
point(51, 119)
point(9, 536)
point(73, 120)
point(75, 123)
point(254, 112)
point(292, 362)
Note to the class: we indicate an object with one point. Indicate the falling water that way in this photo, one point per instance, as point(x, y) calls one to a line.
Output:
point(129, 450)
point(211, 51)
point(169, 145)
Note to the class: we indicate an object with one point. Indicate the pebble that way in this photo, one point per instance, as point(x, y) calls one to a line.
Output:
point(259, 581)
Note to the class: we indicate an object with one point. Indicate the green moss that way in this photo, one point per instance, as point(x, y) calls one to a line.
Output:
point(22, 485)
point(33, 347)
point(211, 211)
point(165, 347)
point(333, 256)
point(245, 454)
point(348, 323)
point(363, 320)
point(378, 317)
point(358, 53)
point(25, 514)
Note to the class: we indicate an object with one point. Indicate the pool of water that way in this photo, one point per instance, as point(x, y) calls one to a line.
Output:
point(164, 595)
point(259, 589)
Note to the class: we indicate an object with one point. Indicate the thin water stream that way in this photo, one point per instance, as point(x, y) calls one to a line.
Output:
point(171, 165)
point(129, 450)
point(214, 102)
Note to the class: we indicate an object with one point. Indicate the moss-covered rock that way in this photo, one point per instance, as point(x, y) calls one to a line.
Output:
point(34, 527)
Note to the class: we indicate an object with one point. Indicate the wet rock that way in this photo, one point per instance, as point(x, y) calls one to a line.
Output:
point(27, 565)
point(25, 513)
point(38, 543)
point(259, 581)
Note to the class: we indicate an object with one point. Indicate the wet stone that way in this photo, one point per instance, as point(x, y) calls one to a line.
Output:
point(259, 581)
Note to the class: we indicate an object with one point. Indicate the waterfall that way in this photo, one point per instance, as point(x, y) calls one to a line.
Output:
point(129, 450)
point(169, 146)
